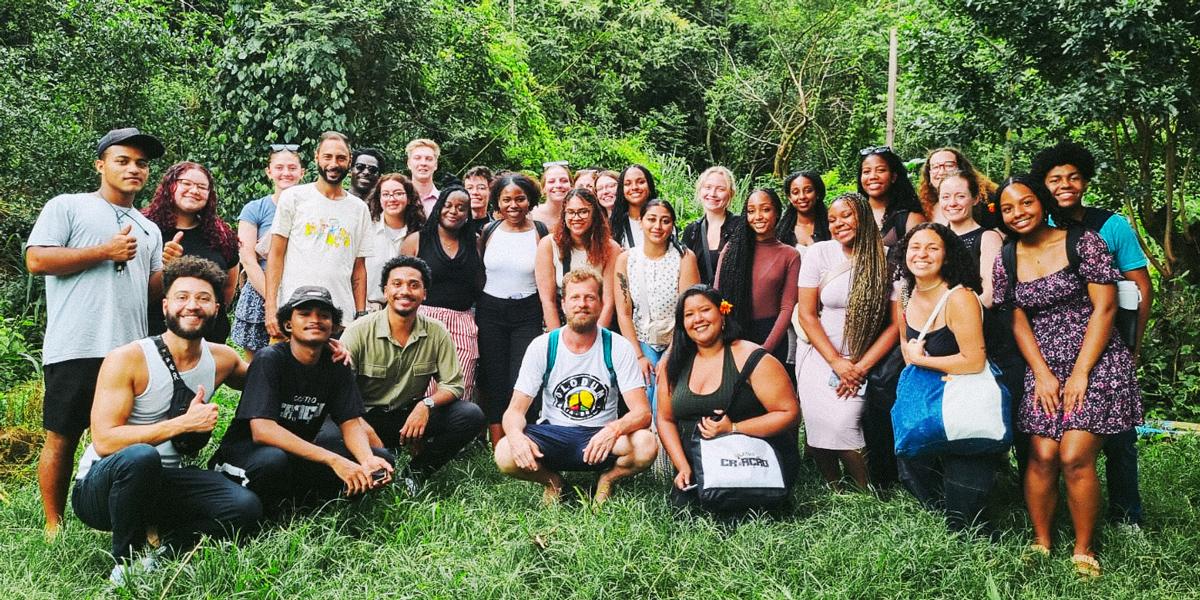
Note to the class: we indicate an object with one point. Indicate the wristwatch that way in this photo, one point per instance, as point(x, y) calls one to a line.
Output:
point(427, 401)
point(360, 313)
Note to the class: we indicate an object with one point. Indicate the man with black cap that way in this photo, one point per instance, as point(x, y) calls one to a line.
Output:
point(272, 446)
point(103, 265)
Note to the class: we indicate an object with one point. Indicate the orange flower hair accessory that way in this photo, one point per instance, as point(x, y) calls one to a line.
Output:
point(725, 307)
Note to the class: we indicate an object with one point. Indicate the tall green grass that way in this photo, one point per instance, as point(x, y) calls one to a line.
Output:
point(475, 534)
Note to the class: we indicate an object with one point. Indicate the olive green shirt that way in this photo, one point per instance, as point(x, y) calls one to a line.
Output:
point(395, 376)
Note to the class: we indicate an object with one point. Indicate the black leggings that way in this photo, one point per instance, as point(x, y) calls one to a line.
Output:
point(505, 329)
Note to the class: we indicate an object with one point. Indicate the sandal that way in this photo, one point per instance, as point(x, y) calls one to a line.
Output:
point(1039, 549)
point(1086, 566)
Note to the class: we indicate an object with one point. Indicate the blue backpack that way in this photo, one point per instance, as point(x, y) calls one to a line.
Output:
point(552, 353)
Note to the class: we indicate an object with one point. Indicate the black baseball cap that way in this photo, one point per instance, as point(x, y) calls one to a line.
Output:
point(310, 294)
point(130, 136)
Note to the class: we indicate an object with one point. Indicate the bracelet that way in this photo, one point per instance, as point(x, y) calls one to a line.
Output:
point(733, 426)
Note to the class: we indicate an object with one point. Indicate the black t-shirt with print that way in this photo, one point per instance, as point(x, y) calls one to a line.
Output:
point(294, 395)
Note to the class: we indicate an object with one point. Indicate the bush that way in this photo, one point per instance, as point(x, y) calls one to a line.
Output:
point(1170, 369)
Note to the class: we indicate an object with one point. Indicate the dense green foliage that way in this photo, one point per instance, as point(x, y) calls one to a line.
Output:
point(760, 86)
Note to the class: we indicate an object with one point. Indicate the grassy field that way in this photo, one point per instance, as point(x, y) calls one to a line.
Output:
point(474, 534)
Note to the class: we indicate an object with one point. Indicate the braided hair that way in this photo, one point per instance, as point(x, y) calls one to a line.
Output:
point(867, 309)
point(786, 230)
point(736, 273)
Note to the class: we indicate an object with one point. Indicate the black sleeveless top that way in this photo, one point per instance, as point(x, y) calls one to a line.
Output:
point(939, 342)
point(973, 240)
point(457, 282)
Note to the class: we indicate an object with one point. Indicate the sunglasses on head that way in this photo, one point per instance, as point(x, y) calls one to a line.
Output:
point(284, 147)
point(869, 150)
point(557, 163)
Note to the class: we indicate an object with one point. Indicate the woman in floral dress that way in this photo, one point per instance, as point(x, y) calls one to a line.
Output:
point(1080, 384)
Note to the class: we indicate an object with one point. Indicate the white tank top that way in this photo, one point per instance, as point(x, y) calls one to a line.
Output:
point(653, 286)
point(579, 259)
point(152, 404)
point(508, 260)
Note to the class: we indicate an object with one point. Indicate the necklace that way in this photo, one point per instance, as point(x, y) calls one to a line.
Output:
point(926, 289)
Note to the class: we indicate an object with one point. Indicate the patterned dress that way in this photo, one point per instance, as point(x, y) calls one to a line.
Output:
point(1059, 308)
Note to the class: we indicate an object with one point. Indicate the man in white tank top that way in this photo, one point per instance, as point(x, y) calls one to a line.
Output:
point(130, 479)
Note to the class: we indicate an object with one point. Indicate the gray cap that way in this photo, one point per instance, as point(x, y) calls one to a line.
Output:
point(130, 136)
point(307, 294)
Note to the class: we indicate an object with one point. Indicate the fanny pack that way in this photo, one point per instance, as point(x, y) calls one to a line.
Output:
point(191, 442)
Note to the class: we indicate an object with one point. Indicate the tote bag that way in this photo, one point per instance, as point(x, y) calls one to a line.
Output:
point(937, 413)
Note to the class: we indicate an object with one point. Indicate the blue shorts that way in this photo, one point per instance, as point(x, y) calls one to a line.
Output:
point(562, 447)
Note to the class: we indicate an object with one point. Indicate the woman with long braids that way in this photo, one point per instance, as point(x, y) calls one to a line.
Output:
point(649, 278)
point(635, 188)
point(580, 239)
point(757, 274)
point(284, 169)
point(395, 214)
point(844, 291)
point(447, 244)
point(706, 237)
point(185, 209)
point(806, 219)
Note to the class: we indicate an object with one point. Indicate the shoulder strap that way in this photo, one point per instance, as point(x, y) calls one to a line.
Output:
point(900, 223)
point(606, 344)
point(551, 354)
point(937, 309)
point(747, 369)
point(165, 353)
point(1095, 218)
point(542, 230)
point(1008, 258)
point(565, 259)
point(488, 230)
point(1074, 234)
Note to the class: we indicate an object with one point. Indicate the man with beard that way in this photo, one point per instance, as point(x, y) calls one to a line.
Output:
point(422, 164)
point(130, 479)
point(96, 250)
point(272, 445)
point(321, 236)
point(398, 353)
point(366, 166)
point(578, 371)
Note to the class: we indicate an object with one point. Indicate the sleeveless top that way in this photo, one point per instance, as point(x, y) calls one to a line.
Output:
point(653, 286)
point(508, 261)
point(151, 406)
point(689, 407)
point(939, 342)
point(456, 282)
point(973, 240)
point(578, 258)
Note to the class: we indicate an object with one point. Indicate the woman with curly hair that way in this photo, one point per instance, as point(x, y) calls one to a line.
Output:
point(806, 219)
point(635, 187)
point(845, 297)
point(757, 273)
point(580, 239)
point(185, 209)
point(1080, 385)
point(940, 270)
point(395, 214)
point(938, 164)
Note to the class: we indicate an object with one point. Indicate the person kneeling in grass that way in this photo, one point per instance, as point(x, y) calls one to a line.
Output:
point(272, 445)
point(131, 480)
point(578, 371)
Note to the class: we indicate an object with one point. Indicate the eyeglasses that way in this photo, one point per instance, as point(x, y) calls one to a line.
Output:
point(187, 184)
point(869, 150)
point(284, 147)
point(581, 213)
point(400, 195)
point(944, 166)
point(362, 167)
point(557, 163)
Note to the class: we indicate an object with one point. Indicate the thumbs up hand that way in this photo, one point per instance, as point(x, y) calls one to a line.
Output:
point(173, 249)
point(200, 416)
point(122, 247)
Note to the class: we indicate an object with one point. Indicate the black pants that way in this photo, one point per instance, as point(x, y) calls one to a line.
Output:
point(277, 476)
point(877, 419)
point(505, 329)
point(1012, 376)
point(954, 484)
point(450, 428)
point(129, 490)
point(1121, 470)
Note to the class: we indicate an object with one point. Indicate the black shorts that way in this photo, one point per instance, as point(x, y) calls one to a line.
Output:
point(70, 385)
point(562, 447)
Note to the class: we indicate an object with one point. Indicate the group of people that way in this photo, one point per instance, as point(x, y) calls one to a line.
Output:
point(572, 323)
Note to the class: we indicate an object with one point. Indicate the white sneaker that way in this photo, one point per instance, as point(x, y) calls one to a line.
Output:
point(124, 572)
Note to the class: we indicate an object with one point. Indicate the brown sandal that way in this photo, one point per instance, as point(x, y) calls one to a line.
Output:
point(1086, 566)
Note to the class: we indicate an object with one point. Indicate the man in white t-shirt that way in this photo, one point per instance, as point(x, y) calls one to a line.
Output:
point(321, 236)
point(422, 164)
point(578, 370)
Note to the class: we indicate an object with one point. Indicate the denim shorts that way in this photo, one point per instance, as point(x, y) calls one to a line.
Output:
point(562, 447)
